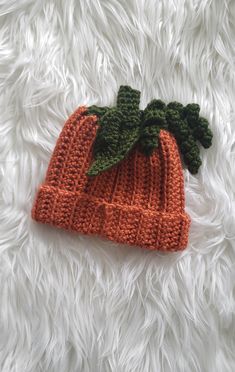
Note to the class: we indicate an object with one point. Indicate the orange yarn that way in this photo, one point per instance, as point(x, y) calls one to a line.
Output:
point(140, 201)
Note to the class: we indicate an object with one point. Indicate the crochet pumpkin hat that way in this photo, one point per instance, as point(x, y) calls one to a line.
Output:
point(116, 172)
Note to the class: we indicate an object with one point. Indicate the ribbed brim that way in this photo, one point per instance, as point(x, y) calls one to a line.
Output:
point(130, 225)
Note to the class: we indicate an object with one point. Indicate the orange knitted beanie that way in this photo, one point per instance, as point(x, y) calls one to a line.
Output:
point(117, 173)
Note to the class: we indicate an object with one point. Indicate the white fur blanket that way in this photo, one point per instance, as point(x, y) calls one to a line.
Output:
point(70, 303)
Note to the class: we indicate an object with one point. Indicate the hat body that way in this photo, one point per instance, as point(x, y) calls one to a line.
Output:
point(139, 201)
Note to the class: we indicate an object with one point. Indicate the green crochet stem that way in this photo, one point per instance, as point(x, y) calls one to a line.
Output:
point(124, 126)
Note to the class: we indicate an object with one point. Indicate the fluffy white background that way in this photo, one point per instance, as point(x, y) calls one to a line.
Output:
point(71, 303)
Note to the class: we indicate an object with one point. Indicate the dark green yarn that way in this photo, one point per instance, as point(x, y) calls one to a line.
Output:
point(149, 139)
point(155, 104)
point(153, 120)
point(118, 131)
point(107, 137)
point(128, 99)
point(199, 125)
point(96, 110)
point(124, 126)
point(183, 135)
point(176, 106)
point(155, 117)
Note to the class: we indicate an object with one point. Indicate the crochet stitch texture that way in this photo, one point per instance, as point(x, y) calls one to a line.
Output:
point(138, 202)
point(116, 172)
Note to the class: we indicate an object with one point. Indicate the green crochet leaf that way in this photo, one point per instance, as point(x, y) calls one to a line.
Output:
point(113, 142)
point(118, 131)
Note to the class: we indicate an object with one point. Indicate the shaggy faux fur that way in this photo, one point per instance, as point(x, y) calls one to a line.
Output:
point(70, 303)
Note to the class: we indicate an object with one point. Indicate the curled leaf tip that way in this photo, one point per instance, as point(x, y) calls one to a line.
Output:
point(176, 106)
point(156, 104)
